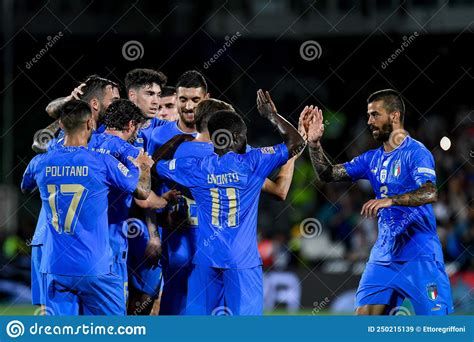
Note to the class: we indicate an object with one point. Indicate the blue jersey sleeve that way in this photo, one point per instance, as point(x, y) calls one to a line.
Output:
point(178, 170)
point(422, 166)
point(29, 181)
point(359, 167)
point(266, 159)
point(126, 150)
point(119, 176)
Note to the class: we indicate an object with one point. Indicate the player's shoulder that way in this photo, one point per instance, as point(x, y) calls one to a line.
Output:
point(156, 122)
point(194, 149)
point(414, 144)
point(40, 158)
point(159, 130)
point(416, 149)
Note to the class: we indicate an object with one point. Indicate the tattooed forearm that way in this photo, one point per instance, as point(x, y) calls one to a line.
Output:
point(324, 169)
point(53, 106)
point(54, 127)
point(144, 184)
point(425, 194)
point(43, 137)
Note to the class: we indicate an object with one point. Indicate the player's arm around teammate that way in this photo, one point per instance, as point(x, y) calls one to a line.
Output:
point(144, 164)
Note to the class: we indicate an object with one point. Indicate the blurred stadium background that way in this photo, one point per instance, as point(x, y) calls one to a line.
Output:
point(329, 53)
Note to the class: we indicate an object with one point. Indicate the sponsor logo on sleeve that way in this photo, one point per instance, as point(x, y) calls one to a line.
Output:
point(268, 150)
point(123, 169)
point(172, 164)
point(426, 170)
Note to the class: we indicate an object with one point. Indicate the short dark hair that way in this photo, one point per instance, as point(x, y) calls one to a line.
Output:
point(168, 91)
point(95, 86)
point(73, 114)
point(140, 77)
point(192, 79)
point(392, 101)
point(205, 109)
point(121, 112)
point(227, 120)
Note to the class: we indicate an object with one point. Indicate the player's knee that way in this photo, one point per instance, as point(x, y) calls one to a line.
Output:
point(363, 310)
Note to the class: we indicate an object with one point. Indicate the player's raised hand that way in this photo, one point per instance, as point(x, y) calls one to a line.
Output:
point(265, 105)
point(303, 122)
point(172, 196)
point(143, 161)
point(370, 208)
point(315, 126)
point(77, 92)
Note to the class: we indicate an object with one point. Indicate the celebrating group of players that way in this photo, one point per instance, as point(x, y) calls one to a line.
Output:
point(149, 204)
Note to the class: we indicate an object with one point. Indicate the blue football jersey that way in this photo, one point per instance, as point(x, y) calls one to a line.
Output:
point(119, 201)
point(74, 184)
point(226, 189)
point(404, 233)
point(159, 137)
point(144, 134)
point(39, 237)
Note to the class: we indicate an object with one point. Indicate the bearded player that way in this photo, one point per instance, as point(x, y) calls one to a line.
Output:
point(406, 261)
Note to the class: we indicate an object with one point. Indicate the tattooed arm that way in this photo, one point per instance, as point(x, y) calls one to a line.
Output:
point(53, 107)
point(425, 194)
point(324, 169)
point(293, 140)
point(311, 122)
point(43, 137)
point(144, 164)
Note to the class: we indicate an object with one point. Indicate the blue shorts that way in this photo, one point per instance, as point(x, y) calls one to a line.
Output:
point(141, 276)
point(85, 295)
point(220, 292)
point(179, 246)
point(37, 278)
point(424, 283)
point(175, 290)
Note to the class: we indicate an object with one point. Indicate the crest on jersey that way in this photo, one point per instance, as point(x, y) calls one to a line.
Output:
point(432, 290)
point(397, 168)
point(383, 176)
point(146, 124)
